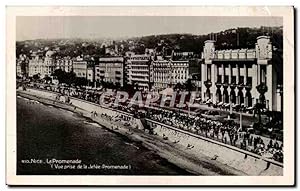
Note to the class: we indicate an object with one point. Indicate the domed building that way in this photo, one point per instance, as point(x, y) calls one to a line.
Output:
point(42, 65)
point(50, 53)
point(49, 63)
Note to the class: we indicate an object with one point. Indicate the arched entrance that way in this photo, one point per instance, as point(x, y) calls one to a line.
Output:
point(232, 96)
point(219, 95)
point(241, 97)
point(225, 96)
point(249, 99)
point(207, 94)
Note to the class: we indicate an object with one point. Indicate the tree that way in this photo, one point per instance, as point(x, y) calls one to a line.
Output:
point(60, 75)
point(110, 85)
point(189, 85)
point(70, 78)
point(117, 85)
point(65, 77)
point(36, 77)
point(80, 81)
point(179, 86)
point(128, 88)
point(47, 78)
point(151, 85)
point(103, 83)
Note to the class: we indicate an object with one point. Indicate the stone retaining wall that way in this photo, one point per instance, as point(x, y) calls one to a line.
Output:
point(245, 161)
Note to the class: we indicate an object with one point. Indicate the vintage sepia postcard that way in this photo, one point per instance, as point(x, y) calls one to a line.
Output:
point(150, 96)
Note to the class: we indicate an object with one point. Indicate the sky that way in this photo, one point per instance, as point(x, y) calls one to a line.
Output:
point(46, 27)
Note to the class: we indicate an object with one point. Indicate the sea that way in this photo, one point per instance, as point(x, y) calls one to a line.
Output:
point(53, 141)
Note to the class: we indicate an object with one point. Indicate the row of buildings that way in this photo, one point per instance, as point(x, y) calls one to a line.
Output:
point(143, 71)
point(227, 76)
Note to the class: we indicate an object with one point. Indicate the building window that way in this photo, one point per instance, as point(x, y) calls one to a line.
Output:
point(249, 81)
point(219, 78)
point(263, 74)
point(233, 79)
point(241, 80)
point(208, 72)
point(226, 79)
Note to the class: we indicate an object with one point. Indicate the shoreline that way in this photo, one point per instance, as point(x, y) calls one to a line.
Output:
point(139, 144)
point(124, 140)
point(174, 154)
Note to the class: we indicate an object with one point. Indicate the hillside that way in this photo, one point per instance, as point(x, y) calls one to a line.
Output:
point(228, 39)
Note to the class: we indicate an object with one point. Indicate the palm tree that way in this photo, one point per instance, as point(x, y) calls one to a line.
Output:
point(178, 86)
point(47, 79)
point(118, 85)
point(36, 77)
point(189, 85)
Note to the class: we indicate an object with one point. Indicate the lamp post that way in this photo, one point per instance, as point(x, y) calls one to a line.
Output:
point(280, 87)
point(262, 89)
point(241, 125)
point(230, 105)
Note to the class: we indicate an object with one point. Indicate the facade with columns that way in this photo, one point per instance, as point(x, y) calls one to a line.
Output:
point(166, 73)
point(231, 76)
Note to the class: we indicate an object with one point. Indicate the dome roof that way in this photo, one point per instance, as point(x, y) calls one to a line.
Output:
point(49, 53)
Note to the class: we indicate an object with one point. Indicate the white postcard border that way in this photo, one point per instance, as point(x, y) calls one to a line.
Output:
point(289, 92)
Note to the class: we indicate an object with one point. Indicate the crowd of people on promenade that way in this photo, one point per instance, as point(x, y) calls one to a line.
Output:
point(226, 131)
point(226, 106)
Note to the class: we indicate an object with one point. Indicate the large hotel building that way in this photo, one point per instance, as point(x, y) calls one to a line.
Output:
point(43, 66)
point(138, 71)
point(232, 75)
point(167, 73)
point(110, 69)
